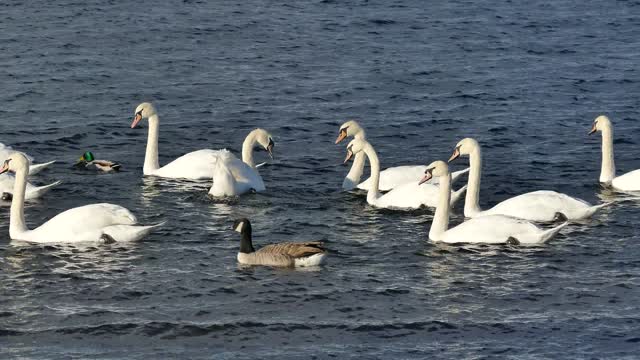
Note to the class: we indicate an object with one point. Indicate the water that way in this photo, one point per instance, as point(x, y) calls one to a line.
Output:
point(526, 79)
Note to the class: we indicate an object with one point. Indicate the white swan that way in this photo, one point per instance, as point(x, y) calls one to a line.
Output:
point(32, 192)
point(93, 222)
point(228, 180)
point(541, 205)
point(389, 177)
point(406, 196)
point(6, 151)
point(627, 182)
point(194, 165)
point(491, 229)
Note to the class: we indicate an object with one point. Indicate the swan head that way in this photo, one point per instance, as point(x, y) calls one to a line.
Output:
point(264, 139)
point(435, 169)
point(600, 123)
point(350, 128)
point(464, 147)
point(143, 111)
point(15, 162)
point(354, 147)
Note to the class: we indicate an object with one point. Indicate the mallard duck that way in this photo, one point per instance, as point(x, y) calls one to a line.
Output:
point(88, 161)
point(283, 254)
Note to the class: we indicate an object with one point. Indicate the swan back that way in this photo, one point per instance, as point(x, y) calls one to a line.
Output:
point(224, 184)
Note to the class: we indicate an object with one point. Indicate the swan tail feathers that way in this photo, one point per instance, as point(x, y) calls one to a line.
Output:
point(458, 194)
point(36, 168)
point(41, 190)
point(593, 209)
point(457, 174)
point(549, 234)
point(124, 233)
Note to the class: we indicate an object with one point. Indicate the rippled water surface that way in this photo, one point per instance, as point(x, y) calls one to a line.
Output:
point(525, 78)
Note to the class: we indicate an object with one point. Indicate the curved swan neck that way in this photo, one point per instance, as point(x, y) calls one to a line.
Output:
point(373, 192)
point(247, 149)
point(472, 198)
point(440, 222)
point(16, 219)
point(355, 173)
point(151, 156)
point(608, 168)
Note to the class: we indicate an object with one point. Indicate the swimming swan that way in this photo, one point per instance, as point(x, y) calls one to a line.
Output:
point(7, 183)
point(406, 196)
point(227, 182)
point(283, 254)
point(106, 222)
point(543, 205)
point(6, 151)
point(194, 165)
point(627, 182)
point(490, 229)
point(389, 177)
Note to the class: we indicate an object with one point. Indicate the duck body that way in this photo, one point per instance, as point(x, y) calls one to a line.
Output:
point(88, 162)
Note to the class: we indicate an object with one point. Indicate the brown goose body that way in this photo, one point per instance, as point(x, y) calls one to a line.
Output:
point(287, 254)
point(282, 254)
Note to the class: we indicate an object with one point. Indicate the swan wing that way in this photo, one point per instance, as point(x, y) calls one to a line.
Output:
point(393, 177)
point(541, 205)
point(627, 182)
point(245, 174)
point(84, 223)
point(410, 196)
point(494, 229)
point(194, 165)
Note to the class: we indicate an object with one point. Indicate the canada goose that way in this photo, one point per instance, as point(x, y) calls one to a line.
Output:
point(283, 254)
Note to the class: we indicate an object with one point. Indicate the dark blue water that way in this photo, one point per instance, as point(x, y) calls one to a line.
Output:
point(525, 78)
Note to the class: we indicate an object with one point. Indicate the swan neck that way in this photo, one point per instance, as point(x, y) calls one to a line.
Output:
point(151, 156)
point(355, 174)
point(440, 222)
point(16, 220)
point(608, 168)
point(247, 149)
point(373, 193)
point(472, 198)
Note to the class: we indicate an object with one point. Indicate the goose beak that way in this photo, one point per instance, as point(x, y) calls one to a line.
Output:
point(593, 129)
point(427, 177)
point(349, 156)
point(341, 136)
point(270, 149)
point(136, 120)
point(455, 155)
point(4, 168)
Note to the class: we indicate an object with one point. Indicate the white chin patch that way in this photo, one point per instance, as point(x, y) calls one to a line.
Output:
point(239, 227)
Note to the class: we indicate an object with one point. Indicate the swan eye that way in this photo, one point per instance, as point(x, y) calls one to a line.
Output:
point(139, 113)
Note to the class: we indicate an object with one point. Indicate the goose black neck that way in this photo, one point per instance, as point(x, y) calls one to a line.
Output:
point(246, 246)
